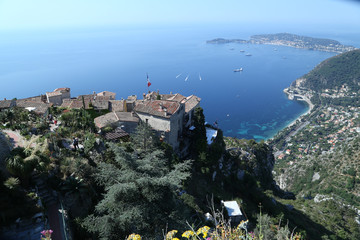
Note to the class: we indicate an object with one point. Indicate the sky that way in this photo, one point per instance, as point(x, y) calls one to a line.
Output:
point(40, 14)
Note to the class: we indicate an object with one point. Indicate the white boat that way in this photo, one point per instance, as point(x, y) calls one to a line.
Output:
point(238, 70)
point(178, 75)
point(242, 50)
point(199, 77)
point(187, 77)
point(248, 54)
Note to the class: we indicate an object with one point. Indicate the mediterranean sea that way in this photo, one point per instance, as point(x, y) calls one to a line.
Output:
point(247, 104)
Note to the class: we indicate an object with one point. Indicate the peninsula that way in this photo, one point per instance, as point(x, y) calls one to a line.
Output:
point(291, 40)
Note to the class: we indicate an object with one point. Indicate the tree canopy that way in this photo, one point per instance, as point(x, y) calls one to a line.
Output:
point(139, 193)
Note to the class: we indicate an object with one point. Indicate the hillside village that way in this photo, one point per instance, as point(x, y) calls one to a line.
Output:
point(39, 131)
point(170, 115)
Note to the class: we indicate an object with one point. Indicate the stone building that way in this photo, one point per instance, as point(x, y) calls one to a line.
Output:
point(57, 96)
point(165, 117)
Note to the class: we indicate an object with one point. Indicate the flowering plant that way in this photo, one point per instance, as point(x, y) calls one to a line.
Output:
point(46, 234)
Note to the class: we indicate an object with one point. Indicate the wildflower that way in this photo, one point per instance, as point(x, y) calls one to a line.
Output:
point(204, 231)
point(46, 234)
point(243, 224)
point(171, 234)
point(188, 234)
point(175, 239)
point(134, 237)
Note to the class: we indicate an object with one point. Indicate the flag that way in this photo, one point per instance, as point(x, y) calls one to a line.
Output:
point(148, 81)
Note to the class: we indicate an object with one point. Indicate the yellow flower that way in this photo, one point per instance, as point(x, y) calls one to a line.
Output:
point(171, 234)
point(134, 237)
point(204, 231)
point(175, 239)
point(243, 224)
point(188, 234)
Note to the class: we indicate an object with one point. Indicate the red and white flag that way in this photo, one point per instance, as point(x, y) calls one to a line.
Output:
point(148, 81)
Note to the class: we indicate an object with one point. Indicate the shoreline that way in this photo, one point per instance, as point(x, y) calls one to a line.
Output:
point(304, 99)
point(308, 111)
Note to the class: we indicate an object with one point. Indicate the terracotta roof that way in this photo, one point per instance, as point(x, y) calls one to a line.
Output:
point(157, 107)
point(191, 102)
point(113, 117)
point(7, 103)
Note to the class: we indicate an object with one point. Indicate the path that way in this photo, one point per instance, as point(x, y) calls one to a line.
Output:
point(16, 139)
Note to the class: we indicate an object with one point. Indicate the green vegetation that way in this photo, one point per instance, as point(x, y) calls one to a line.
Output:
point(335, 72)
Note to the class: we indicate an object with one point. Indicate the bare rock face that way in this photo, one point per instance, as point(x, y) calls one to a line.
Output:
point(282, 181)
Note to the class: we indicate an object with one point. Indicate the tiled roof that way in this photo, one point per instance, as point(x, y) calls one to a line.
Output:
point(33, 99)
point(191, 102)
point(177, 98)
point(37, 107)
point(126, 117)
point(64, 89)
point(117, 134)
point(157, 107)
point(113, 117)
point(75, 103)
point(7, 103)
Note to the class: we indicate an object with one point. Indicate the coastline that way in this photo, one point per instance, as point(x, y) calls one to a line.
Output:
point(292, 97)
point(302, 98)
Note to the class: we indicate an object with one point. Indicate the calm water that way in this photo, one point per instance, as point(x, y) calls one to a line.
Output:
point(249, 104)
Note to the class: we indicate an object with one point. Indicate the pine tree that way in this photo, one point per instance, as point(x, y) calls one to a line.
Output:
point(139, 194)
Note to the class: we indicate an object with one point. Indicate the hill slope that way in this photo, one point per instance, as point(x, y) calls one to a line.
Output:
point(333, 73)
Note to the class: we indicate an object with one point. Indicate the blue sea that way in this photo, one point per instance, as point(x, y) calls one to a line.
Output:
point(248, 104)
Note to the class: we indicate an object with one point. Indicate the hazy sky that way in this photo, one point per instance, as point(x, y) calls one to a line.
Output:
point(28, 14)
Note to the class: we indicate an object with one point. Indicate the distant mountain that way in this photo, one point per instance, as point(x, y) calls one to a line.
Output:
point(333, 73)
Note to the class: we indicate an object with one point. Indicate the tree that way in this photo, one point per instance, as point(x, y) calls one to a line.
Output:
point(139, 194)
point(199, 141)
point(144, 139)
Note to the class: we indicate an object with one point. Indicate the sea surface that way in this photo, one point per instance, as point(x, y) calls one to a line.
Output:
point(247, 104)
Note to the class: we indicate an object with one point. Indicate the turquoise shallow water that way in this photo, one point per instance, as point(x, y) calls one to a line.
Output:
point(247, 104)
